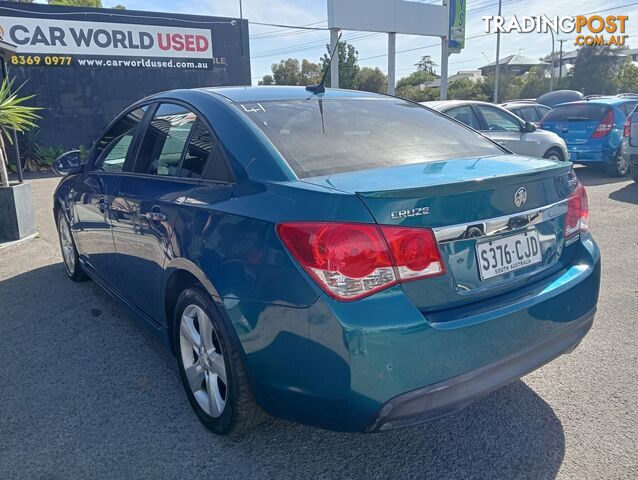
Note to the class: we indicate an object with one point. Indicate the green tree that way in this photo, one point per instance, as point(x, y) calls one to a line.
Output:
point(533, 84)
point(14, 115)
point(266, 80)
point(596, 70)
point(372, 80)
point(77, 3)
point(627, 78)
point(310, 73)
point(416, 78)
point(286, 72)
point(426, 64)
point(348, 67)
point(508, 85)
point(466, 89)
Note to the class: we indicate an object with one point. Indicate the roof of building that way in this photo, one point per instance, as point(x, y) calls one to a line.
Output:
point(473, 75)
point(518, 60)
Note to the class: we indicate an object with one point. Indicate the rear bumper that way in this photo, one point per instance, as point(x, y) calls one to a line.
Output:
point(585, 154)
point(381, 363)
point(446, 397)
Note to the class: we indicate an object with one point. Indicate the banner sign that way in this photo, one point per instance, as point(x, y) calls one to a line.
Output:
point(68, 37)
point(457, 25)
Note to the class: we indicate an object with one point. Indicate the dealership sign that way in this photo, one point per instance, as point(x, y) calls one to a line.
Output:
point(68, 37)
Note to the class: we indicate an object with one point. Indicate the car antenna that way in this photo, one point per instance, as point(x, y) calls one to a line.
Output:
point(321, 86)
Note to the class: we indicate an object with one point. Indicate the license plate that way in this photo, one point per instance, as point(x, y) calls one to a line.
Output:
point(507, 254)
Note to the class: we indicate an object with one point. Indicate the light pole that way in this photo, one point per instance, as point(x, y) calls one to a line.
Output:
point(560, 59)
point(551, 73)
point(498, 54)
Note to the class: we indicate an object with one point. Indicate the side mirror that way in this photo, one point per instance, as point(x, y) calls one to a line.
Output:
point(529, 127)
point(68, 163)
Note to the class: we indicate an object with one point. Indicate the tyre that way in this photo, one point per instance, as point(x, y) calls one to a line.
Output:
point(69, 251)
point(619, 167)
point(634, 173)
point(554, 154)
point(211, 366)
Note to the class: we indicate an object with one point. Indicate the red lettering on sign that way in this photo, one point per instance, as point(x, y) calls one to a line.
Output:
point(179, 42)
point(201, 43)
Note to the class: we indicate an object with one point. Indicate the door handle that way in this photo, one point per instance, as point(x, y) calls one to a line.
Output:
point(155, 216)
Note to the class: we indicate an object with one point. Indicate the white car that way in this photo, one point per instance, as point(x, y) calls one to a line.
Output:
point(505, 128)
point(629, 145)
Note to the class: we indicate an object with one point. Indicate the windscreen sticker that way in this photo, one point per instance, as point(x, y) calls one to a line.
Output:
point(252, 107)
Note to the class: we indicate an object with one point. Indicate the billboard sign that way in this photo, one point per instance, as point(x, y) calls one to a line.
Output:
point(41, 40)
point(392, 16)
point(85, 65)
point(457, 25)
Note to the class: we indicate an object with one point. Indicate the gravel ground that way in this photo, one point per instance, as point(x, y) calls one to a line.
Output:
point(88, 393)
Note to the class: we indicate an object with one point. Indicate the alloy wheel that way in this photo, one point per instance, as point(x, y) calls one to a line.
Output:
point(622, 165)
point(203, 360)
point(66, 242)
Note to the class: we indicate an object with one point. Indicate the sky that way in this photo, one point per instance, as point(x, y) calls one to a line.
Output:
point(268, 44)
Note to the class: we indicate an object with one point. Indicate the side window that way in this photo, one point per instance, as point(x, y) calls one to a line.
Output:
point(164, 141)
point(529, 114)
point(629, 107)
point(464, 114)
point(498, 120)
point(200, 144)
point(203, 157)
point(542, 111)
point(113, 148)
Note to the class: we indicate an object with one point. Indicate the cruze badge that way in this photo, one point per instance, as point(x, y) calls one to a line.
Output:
point(520, 197)
point(410, 212)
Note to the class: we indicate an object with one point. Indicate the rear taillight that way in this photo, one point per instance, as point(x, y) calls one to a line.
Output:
point(577, 217)
point(627, 130)
point(605, 126)
point(353, 260)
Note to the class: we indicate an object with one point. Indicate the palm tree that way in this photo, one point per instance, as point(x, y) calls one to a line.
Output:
point(13, 116)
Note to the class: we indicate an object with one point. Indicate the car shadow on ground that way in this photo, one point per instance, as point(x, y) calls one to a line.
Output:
point(93, 394)
point(627, 194)
point(596, 175)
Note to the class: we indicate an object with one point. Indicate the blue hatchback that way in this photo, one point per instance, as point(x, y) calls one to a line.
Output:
point(593, 130)
point(346, 260)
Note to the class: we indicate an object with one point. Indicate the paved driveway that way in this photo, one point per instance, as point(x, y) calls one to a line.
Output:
point(85, 392)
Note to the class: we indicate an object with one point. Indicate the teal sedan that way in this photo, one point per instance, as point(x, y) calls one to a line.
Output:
point(346, 260)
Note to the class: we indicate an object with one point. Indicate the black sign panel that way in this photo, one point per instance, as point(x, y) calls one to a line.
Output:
point(85, 65)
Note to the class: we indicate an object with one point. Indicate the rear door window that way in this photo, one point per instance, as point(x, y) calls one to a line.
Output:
point(542, 111)
point(577, 112)
point(164, 142)
point(464, 114)
point(628, 107)
point(529, 114)
point(113, 149)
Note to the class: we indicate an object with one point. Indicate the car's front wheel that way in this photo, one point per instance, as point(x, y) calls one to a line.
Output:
point(634, 173)
point(554, 154)
point(69, 251)
point(211, 367)
point(619, 166)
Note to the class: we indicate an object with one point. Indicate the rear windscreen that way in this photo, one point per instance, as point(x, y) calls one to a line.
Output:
point(323, 137)
point(578, 112)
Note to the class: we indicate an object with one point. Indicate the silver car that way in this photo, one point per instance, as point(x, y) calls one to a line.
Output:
point(505, 128)
point(528, 110)
point(629, 145)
